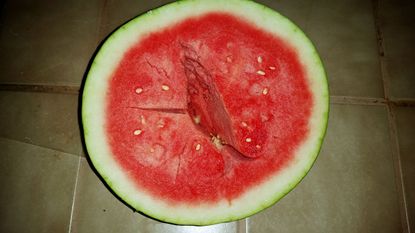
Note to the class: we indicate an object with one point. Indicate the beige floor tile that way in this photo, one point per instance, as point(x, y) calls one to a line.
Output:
point(344, 34)
point(47, 41)
point(398, 23)
point(98, 210)
point(117, 13)
point(37, 188)
point(406, 135)
point(351, 188)
point(297, 11)
point(48, 120)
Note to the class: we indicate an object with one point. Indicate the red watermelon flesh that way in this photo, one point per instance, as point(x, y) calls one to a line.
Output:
point(206, 109)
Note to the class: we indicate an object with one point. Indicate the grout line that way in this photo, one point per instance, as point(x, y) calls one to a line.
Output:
point(242, 226)
point(102, 21)
point(403, 103)
point(60, 89)
point(396, 156)
point(310, 12)
point(38, 145)
point(398, 168)
point(400, 184)
point(357, 100)
point(381, 50)
point(74, 194)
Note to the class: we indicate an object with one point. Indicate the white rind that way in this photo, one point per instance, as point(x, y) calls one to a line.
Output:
point(266, 193)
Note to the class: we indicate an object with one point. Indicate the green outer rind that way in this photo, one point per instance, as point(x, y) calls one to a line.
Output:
point(121, 194)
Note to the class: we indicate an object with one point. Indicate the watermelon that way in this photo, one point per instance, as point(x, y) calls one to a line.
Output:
point(201, 112)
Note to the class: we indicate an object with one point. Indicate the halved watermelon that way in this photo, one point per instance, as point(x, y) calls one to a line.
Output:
point(202, 112)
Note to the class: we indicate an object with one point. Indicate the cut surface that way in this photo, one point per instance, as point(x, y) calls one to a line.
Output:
point(208, 117)
point(210, 65)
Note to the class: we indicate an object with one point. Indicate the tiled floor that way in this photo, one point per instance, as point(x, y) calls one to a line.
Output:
point(363, 181)
point(37, 187)
point(351, 187)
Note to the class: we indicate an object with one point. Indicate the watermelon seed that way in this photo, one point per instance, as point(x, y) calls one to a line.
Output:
point(229, 59)
point(196, 119)
point(258, 146)
point(198, 146)
point(260, 72)
point(160, 123)
point(151, 150)
point(244, 124)
point(137, 132)
point(259, 59)
point(248, 140)
point(265, 91)
point(216, 140)
point(139, 90)
point(272, 67)
point(165, 87)
point(264, 118)
point(142, 119)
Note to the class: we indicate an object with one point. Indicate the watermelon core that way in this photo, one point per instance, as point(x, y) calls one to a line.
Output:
point(204, 110)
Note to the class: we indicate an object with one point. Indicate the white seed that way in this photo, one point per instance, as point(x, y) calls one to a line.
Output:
point(272, 67)
point(228, 59)
point(260, 72)
point(248, 140)
point(139, 90)
point(196, 119)
point(137, 132)
point(198, 146)
point(264, 117)
point(258, 146)
point(216, 140)
point(259, 59)
point(160, 123)
point(165, 87)
point(265, 91)
point(244, 124)
point(142, 119)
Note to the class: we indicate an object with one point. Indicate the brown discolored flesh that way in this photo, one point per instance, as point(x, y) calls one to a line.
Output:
point(205, 104)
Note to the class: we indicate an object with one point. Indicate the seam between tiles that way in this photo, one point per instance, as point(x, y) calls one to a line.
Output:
point(247, 225)
point(396, 156)
point(309, 14)
point(38, 145)
point(102, 21)
point(44, 88)
point(74, 194)
point(400, 184)
point(357, 100)
point(381, 49)
point(242, 226)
